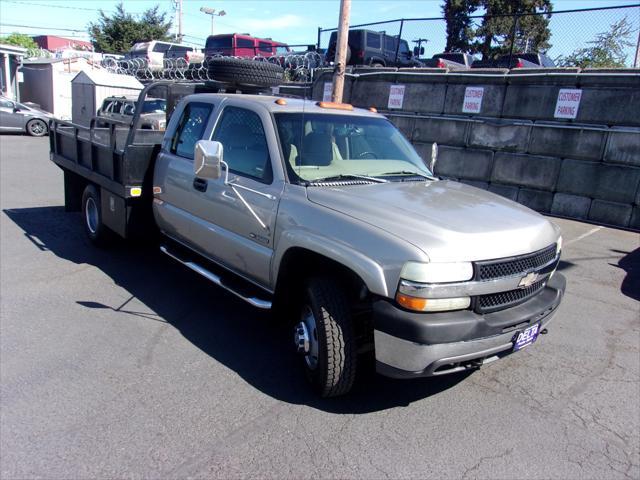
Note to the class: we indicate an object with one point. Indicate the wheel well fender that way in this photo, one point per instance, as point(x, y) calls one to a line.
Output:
point(297, 248)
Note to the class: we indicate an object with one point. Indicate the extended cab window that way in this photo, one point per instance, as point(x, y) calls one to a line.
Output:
point(245, 145)
point(190, 128)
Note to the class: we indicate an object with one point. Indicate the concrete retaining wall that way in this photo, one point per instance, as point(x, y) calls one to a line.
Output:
point(585, 168)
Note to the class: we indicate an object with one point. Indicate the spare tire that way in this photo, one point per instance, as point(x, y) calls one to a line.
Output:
point(241, 71)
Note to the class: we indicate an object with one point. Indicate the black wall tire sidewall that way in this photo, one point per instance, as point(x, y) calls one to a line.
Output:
point(37, 120)
point(101, 235)
point(241, 71)
point(337, 356)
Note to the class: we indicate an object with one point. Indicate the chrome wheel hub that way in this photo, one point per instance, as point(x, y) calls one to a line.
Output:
point(306, 338)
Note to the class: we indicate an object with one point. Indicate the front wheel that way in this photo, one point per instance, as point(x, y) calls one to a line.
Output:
point(97, 232)
point(37, 128)
point(324, 337)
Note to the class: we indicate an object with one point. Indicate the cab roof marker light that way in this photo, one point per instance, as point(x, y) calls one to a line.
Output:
point(335, 106)
point(281, 101)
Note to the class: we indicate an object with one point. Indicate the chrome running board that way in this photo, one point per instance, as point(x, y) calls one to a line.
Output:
point(212, 277)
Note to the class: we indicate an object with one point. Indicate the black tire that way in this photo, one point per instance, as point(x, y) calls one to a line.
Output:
point(240, 71)
point(97, 232)
point(335, 369)
point(37, 127)
point(377, 64)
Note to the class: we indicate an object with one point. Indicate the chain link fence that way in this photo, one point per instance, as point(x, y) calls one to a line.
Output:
point(567, 32)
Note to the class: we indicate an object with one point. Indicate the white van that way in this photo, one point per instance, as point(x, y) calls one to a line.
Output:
point(155, 52)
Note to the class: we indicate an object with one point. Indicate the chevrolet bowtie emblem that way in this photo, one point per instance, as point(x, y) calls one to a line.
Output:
point(528, 280)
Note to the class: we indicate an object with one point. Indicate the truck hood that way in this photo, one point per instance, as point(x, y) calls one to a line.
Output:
point(448, 221)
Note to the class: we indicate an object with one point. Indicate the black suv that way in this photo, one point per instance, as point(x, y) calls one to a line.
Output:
point(377, 49)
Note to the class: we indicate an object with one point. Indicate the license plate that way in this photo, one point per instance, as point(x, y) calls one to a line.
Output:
point(526, 337)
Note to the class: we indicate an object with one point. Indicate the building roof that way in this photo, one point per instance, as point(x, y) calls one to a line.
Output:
point(12, 49)
point(54, 42)
point(107, 79)
point(49, 60)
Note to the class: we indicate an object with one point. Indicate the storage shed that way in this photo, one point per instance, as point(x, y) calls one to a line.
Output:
point(90, 88)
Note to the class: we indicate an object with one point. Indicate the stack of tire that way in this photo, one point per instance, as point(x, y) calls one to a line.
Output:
point(244, 72)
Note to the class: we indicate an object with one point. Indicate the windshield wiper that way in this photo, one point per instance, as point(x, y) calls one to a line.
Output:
point(348, 176)
point(407, 172)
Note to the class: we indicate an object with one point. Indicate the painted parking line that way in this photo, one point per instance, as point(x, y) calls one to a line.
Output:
point(584, 235)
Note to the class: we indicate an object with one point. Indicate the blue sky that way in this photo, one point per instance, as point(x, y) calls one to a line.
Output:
point(291, 21)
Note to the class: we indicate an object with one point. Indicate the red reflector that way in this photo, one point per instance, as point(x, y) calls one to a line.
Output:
point(519, 64)
point(360, 54)
point(441, 64)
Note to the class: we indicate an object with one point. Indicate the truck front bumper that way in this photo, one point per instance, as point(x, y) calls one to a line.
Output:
point(422, 345)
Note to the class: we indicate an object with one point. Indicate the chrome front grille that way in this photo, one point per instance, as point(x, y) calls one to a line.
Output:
point(506, 267)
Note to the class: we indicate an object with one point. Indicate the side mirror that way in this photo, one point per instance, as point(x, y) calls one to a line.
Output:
point(421, 50)
point(434, 157)
point(207, 159)
point(16, 109)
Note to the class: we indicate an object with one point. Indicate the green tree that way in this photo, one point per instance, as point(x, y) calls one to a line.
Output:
point(25, 41)
point(607, 50)
point(19, 40)
point(494, 36)
point(117, 33)
point(460, 30)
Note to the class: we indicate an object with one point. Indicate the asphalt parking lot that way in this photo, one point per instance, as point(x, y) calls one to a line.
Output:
point(121, 363)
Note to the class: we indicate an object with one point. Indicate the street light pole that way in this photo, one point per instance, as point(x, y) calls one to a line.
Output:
point(212, 12)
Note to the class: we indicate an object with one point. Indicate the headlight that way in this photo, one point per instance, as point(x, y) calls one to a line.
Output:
point(436, 272)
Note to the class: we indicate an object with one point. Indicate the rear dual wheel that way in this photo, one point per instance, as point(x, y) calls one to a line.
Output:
point(94, 227)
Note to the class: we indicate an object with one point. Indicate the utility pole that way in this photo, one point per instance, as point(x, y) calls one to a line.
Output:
point(636, 62)
point(179, 21)
point(341, 51)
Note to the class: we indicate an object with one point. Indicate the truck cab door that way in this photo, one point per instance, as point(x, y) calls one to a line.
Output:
point(230, 223)
point(238, 217)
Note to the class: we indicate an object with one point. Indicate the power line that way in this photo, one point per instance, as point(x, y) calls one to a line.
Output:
point(64, 6)
point(43, 28)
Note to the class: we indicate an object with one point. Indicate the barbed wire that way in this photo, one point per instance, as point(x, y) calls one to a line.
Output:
point(297, 67)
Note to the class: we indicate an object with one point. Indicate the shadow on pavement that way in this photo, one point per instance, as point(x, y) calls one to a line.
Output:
point(246, 340)
point(630, 263)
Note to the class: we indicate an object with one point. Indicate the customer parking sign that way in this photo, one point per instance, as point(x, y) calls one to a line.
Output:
point(568, 103)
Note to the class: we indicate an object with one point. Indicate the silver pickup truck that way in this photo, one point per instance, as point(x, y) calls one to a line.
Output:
point(326, 214)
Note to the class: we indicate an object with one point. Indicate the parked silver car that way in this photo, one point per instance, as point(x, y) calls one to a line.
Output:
point(18, 117)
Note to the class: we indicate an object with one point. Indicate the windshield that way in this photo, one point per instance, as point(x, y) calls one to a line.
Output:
point(154, 106)
point(321, 146)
